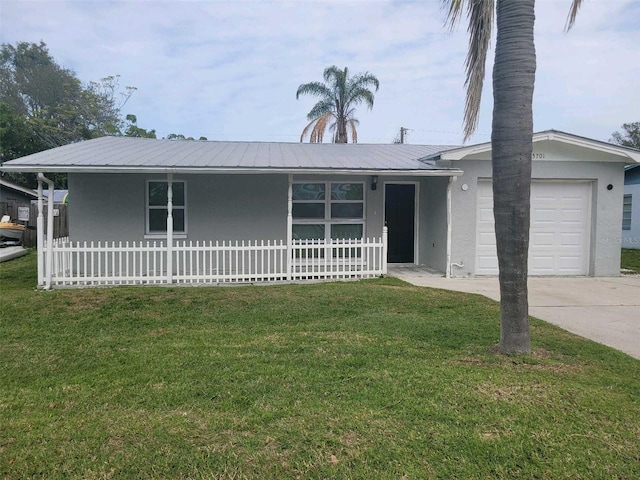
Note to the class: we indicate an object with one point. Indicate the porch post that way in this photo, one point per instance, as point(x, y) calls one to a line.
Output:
point(48, 263)
point(40, 236)
point(447, 272)
point(385, 244)
point(169, 228)
point(290, 227)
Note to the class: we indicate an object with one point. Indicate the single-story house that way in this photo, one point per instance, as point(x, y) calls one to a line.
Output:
point(160, 211)
point(11, 192)
point(631, 208)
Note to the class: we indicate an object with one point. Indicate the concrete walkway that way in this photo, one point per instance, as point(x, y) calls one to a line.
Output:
point(603, 309)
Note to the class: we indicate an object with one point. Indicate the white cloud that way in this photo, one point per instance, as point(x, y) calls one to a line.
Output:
point(229, 70)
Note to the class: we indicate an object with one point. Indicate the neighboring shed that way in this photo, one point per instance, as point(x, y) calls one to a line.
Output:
point(631, 208)
point(11, 192)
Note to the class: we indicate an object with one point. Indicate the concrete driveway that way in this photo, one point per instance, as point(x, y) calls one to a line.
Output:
point(603, 309)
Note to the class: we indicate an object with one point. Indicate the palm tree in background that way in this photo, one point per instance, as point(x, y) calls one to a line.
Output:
point(511, 140)
point(339, 95)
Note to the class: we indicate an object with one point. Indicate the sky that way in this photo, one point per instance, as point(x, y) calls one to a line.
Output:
point(229, 70)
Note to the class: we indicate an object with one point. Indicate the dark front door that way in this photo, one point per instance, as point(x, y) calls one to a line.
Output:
point(399, 214)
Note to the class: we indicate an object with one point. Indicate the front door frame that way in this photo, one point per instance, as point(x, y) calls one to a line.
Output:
point(416, 212)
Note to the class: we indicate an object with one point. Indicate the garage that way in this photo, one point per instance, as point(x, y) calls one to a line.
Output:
point(559, 241)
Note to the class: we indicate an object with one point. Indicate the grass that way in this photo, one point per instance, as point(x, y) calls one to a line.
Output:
point(371, 379)
point(630, 260)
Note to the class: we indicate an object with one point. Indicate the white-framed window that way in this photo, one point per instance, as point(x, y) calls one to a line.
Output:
point(626, 212)
point(156, 207)
point(328, 210)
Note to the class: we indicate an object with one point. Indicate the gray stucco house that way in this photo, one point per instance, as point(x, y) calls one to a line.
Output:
point(306, 201)
point(631, 208)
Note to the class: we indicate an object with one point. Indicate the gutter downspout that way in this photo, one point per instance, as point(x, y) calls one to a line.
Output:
point(449, 186)
point(48, 268)
point(289, 227)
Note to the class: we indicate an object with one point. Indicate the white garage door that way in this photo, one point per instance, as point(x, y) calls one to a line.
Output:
point(560, 229)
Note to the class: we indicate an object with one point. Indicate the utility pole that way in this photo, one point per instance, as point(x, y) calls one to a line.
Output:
point(402, 135)
point(403, 131)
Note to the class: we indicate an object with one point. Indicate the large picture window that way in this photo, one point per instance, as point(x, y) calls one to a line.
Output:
point(156, 208)
point(626, 212)
point(328, 210)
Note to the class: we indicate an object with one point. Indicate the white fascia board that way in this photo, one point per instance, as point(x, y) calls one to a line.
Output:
point(631, 155)
point(228, 171)
point(460, 153)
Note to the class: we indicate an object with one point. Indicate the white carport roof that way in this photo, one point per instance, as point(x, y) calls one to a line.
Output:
point(12, 186)
point(138, 155)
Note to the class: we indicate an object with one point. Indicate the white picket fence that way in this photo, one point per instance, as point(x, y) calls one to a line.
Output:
point(133, 263)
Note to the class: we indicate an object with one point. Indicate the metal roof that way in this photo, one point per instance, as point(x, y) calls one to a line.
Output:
point(116, 154)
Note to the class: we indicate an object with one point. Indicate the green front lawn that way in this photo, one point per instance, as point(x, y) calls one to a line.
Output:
point(630, 260)
point(372, 379)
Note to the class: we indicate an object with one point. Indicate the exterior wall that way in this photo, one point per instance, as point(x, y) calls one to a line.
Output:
point(606, 211)
point(631, 238)
point(433, 223)
point(111, 207)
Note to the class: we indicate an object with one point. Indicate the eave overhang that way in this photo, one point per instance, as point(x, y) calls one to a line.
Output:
point(440, 172)
point(628, 155)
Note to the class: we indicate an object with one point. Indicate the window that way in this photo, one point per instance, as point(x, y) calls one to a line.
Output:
point(157, 207)
point(328, 210)
point(626, 212)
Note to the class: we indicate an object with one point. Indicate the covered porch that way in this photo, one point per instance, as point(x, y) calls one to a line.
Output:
point(166, 257)
point(162, 212)
point(335, 228)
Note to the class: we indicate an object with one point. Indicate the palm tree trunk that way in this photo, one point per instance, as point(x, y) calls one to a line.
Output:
point(511, 138)
point(341, 130)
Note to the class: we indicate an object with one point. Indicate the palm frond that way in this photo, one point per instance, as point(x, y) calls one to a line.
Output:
point(359, 95)
point(323, 107)
point(334, 74)
point(353, 123)
point(316, 89)
point(317, 127)
point(317, 135)
point(573, 13)
point(480, 13)
point(454, 12)
point(364, 80)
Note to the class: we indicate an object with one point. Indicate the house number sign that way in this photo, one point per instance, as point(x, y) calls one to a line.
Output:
point(537, 156)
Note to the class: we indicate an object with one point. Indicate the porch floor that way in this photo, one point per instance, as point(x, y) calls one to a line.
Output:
point(412, 273)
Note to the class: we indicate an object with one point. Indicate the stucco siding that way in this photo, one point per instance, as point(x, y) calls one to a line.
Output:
point(110, 207)
point(433, 224)
point(606, 210)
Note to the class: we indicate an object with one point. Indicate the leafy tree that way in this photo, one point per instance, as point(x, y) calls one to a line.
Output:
point(43, 105)
point(630, 136)
point(511, 140)
point(179, 136)
point(53, 101)
point(339, 95)
point(133, 130)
